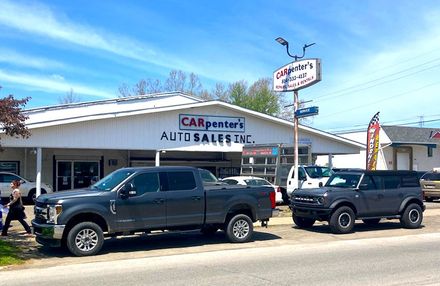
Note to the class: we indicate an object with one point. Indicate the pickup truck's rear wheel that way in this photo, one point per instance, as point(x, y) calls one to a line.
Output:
point(303, 222)
point(84, 239)
point(240, 228)
point(342, 220)
point(412, 216)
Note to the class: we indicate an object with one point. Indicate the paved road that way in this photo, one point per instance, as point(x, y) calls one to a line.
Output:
point(403, 260)
point(280, 233)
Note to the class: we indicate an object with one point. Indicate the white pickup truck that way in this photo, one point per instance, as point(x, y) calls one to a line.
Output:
point(310, 177)
point(27, 188)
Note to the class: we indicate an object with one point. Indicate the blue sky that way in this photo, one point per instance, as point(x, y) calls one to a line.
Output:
point(376, 55)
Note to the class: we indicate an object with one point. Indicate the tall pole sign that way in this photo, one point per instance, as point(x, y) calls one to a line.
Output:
point(293, 77)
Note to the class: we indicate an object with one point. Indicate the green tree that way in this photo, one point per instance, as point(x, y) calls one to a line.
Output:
point(258, 97)
point(12, 119)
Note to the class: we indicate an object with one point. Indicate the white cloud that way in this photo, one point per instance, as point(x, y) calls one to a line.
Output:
point(51, 84)
point(17, 59)
point(40, 20)
point(57, 77)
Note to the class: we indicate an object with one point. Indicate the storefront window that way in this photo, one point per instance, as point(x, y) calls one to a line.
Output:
point(10, 166)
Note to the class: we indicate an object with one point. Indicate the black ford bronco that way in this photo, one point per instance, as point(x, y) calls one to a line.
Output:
point(365, 195)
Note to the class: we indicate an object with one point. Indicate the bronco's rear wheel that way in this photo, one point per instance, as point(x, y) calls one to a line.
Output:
point(84, 239)
point(412, 216)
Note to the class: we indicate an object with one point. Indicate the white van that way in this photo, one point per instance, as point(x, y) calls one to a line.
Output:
point(309, 177)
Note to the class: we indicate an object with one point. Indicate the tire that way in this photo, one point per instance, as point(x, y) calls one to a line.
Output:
point(371, 221)
point(412, 216)
point(303, 222)
point(85, 239)
point(32, 197)
point(239, 229)
point(209, 230)
point(285, 197)
point(342, 220)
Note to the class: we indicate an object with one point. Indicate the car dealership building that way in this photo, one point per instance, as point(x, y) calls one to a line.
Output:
point(75, 144)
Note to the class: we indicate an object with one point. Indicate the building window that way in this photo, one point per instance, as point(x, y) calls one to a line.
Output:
point(10, 166)
point(430, 151)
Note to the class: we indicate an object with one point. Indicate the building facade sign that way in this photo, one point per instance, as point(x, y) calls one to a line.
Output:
point(203, 129)
point(297, 75)
point(211, 123)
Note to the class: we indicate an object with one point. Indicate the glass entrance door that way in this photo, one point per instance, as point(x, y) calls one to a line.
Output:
point(76, 174)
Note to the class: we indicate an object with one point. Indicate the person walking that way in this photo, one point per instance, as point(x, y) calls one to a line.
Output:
point(16, 209)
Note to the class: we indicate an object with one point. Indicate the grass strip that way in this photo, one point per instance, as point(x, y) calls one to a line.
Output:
point(9, 254)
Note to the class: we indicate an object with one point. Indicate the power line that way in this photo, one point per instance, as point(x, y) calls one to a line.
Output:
point(377, 79)
point(328, 96)
point(385, 99)
point(363, 127)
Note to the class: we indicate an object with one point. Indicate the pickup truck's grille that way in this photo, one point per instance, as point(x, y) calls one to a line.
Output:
point(40, 211)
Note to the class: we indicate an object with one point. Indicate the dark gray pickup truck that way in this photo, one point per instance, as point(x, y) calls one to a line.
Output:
point(132, 200)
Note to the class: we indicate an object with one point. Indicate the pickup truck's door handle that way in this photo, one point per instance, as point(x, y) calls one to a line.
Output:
point(159, 201)
point(196, 198)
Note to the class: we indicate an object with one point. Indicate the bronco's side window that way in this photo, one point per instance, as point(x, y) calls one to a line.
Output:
point(368, 181)
point(410, 181)
point(391, 182)
point(146, 183)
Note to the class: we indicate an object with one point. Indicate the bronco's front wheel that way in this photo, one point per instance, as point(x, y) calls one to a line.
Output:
point(84, 239)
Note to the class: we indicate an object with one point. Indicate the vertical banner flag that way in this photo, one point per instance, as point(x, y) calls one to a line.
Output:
point(373, 142)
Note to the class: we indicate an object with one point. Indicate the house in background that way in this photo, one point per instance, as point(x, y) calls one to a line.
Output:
point(401, 148)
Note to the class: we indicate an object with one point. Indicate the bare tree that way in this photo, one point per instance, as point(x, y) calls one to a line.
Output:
point(70, 97)
point(220, 92)
point(205, 95)
point(12, 119)
point(124, 90)
point(176, 81)
point(194, 84)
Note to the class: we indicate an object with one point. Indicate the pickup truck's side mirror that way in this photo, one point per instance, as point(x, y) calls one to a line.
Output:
point(363, 187)
point(128, 190)
point(303, 178)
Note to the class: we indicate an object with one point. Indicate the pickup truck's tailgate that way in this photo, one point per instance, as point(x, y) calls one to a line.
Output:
point(220, 200)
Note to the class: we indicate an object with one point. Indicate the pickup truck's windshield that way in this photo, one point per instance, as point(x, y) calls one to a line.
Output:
point(207, 176)
point(318, 172)
point(343, 180)
point(112, 180)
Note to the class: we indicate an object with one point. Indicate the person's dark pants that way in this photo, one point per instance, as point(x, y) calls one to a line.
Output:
point(8, 223)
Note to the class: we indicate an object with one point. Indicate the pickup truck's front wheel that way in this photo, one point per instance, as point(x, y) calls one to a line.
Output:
point(84, 239)
point(240, 228)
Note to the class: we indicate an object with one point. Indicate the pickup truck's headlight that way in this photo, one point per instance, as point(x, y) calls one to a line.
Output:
point(53, 211)
point(320, 200)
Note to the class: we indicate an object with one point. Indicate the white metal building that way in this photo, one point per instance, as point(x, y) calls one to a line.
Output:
point(401, 148)
point(74, 144)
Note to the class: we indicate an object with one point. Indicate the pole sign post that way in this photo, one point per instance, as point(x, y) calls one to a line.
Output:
point(297, 75)
point(309, 111)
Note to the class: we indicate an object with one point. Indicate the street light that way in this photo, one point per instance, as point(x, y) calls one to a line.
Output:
point(295, 119)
